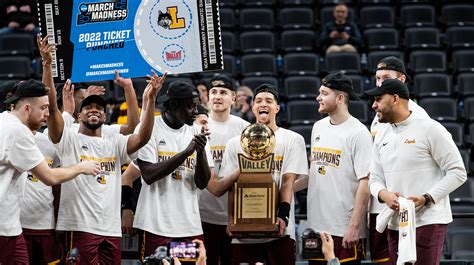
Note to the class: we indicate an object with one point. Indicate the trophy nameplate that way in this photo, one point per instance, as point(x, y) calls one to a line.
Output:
point(255, 192)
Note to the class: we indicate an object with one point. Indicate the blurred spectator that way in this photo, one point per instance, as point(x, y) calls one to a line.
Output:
point(201, 86)
point(340, 35)
point(243, 104)
point(202, 116)
point(18, 16)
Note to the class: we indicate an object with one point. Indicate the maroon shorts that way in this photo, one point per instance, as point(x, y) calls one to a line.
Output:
point(217, 242)
point(378, 242)
point(94, 249)
point(149, 243)
point(277, 252)
point(13, 250)
point(346, 255)
point(42, 246)
point(429, 243)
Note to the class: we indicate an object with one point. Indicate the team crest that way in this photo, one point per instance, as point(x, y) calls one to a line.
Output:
point(102, 177)
point(322, 170)
point(32, 178)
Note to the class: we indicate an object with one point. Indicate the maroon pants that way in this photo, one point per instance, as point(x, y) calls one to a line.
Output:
point(378, 243)
point(429, 244)
point(149, 243)
point(277, 252)
point(94, 249)
point(218, 244)
point(42, 246)
point(347, 256)
point(13, 250)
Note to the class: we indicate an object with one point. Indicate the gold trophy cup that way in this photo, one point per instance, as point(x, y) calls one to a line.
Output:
point(255, 192)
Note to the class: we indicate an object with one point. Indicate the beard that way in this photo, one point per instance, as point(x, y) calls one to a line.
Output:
point(93, 126)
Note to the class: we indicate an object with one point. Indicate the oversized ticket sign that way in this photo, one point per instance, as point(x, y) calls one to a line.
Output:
point(95, 37)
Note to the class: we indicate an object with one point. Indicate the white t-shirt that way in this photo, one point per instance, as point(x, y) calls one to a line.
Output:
point(378, 131)
point(18, 153)
point(36, 202)
point(289, 157)
point(169, 207)
point(340, 157)
point(92, 203)
point(214, 209)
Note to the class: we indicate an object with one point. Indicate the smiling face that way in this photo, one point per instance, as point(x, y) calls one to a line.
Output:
point(92, 116)
point(221, 99)
point(265, 108)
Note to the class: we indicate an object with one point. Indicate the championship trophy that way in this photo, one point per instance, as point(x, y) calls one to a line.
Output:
point(255, 192)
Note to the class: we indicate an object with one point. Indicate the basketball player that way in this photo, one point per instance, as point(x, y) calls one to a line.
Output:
point(338, 192)
point(289, 162)
point(223, 126)
point(19, 153)
point(90, 206)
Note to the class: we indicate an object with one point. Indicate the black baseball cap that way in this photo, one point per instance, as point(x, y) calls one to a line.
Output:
point(27, 89)
point(392, 87)
point(267, 88)
point(393, 63)
point(93, 99)
point(339, 81)
point(179, 89)
point(222, 80)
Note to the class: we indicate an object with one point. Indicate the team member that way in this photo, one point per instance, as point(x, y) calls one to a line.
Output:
point(37, 210)
point(340, 160)
point(19, 154)
point(289, 162)
point(202, 117)
point(90, 206)
point(416, 159)
point(173, 164)
point(223, 126)
point(388, 68)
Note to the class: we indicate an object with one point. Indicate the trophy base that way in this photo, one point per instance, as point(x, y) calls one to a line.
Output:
point(254, 231)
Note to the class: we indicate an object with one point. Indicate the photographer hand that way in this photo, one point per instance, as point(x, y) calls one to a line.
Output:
point(175, 261)
point(202, 252)
point(328, 246)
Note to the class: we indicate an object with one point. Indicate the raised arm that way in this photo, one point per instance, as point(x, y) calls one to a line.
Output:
point(133, 115)
point(136, 141)
point(55, 120)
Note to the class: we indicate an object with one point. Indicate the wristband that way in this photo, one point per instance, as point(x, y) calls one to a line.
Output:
point(284, 212)
point(127, 192)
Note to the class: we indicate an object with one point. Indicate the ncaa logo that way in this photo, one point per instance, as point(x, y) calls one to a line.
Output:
point(173, 55)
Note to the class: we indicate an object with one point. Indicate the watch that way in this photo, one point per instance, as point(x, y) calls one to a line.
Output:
point(428, 199)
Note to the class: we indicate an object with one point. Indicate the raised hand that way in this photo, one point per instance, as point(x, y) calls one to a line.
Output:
point(45, 48)
point(122, 82)
point(155, 83)
point(68, 97)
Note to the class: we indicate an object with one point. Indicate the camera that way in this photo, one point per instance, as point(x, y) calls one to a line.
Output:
point(312, 244)
point(183, 250)
point(161, 253)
